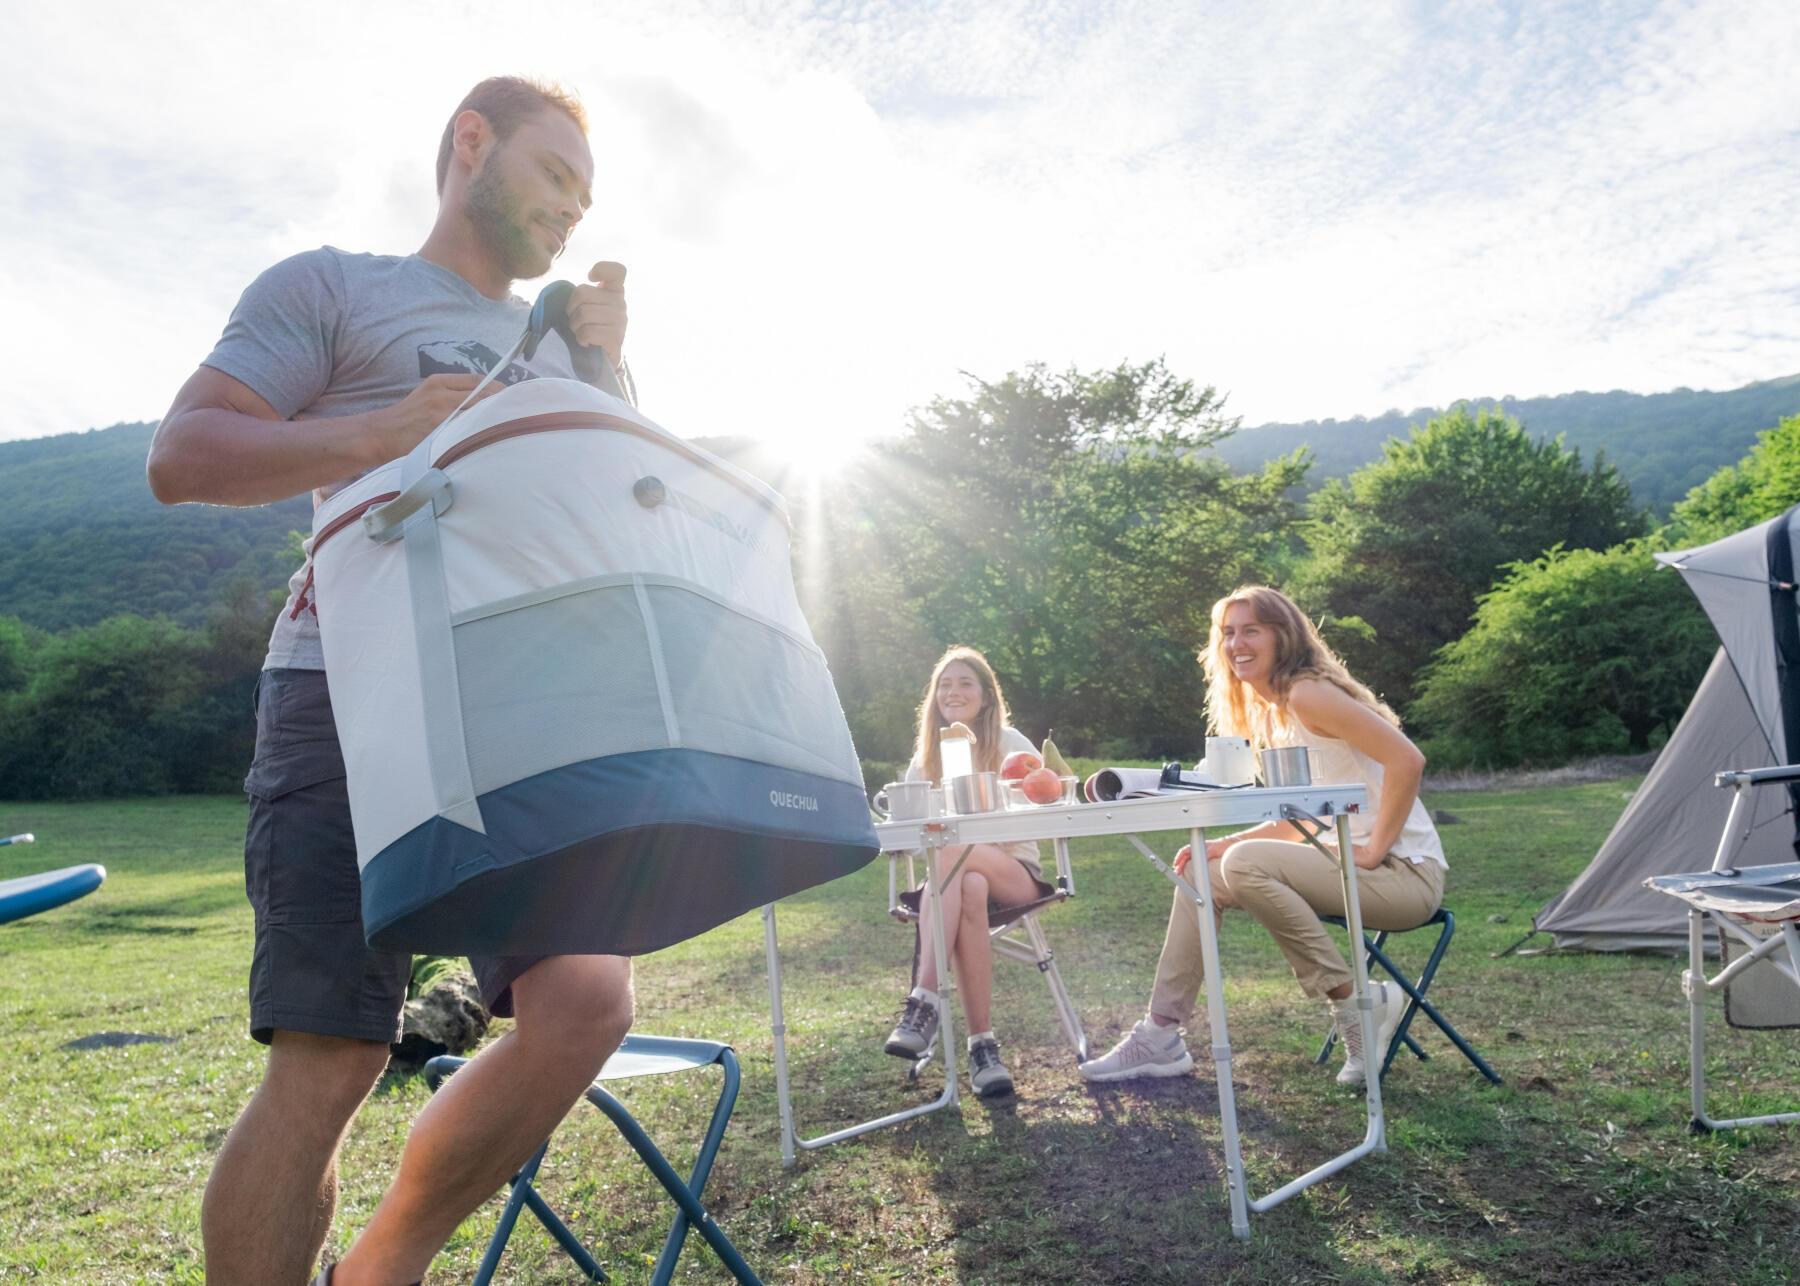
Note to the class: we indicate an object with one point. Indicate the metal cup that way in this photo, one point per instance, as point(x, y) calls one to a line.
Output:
point(1286, 766)
point(978, 792)
point(903, 801)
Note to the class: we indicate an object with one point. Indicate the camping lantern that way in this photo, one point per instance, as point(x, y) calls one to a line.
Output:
point(579, 707)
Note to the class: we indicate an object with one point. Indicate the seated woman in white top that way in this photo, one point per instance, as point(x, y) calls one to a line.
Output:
point(963, 690)
point(1271, 678)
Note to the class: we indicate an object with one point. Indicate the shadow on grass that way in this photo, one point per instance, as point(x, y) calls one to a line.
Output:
point(1067, 1182)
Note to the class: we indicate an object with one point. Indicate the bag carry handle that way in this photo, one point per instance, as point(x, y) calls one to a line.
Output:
point(382, 523)
point(590, 364)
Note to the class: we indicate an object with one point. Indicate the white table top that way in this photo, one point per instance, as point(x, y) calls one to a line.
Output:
point(1180, 811)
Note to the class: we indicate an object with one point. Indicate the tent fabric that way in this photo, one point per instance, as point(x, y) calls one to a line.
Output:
point(1735, 721)
point(580, 708)
point(1672, 824)
point(1730, 579)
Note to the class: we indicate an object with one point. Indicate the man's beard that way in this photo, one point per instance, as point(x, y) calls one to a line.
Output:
point(512, 241)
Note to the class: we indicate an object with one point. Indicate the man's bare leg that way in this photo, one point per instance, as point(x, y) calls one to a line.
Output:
point(269, 1202)
point(572, 1012)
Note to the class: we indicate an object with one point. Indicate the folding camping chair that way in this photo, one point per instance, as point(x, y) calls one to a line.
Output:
point(1013, 931)
point(1415, 992)
point(1754, 910)
point(638, 1056)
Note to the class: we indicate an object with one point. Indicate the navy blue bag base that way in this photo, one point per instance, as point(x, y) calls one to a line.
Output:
point(616, 856)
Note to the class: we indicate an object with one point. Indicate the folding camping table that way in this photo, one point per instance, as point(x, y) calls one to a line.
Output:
point(1189, 811)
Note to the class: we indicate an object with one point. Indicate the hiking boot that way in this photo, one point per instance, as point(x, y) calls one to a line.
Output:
point(1147, 1050)
point(916, 1030)
point(1388, 1002)
point(986, 1072)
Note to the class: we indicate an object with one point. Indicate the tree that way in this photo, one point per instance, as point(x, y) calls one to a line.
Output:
point(1073, 528)
point(1402, 549)
point(131, 706)
point(1579, 652)
point(94, 719)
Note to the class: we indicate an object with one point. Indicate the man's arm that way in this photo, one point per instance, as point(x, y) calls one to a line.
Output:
point(221, 443)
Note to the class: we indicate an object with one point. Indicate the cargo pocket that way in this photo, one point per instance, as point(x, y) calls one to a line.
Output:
point(299, 847)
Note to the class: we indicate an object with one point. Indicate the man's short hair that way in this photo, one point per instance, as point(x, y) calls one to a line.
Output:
point(507, 102)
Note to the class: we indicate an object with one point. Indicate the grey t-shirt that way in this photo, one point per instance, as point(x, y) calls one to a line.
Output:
point(327, 333)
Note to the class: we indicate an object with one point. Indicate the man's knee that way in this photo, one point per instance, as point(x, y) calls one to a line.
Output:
point(585, 1001)
point(323, 1078)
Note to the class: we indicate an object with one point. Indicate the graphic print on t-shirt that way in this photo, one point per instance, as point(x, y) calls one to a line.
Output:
point(468, 357)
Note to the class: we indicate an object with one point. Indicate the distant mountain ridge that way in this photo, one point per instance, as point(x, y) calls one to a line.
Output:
point(82, 538)
point(1663, 444)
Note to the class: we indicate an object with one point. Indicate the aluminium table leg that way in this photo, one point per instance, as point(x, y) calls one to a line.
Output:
point(946, 1026)
point(1235, 1186)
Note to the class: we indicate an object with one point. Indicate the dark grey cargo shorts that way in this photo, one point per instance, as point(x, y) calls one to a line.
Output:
point(312, 970)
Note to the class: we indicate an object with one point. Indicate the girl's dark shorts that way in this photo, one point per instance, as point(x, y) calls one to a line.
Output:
point(312, 971)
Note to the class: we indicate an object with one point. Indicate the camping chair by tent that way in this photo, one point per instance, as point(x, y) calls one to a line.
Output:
point(1745, 715)
point(1013, 931)
point(1754, 909)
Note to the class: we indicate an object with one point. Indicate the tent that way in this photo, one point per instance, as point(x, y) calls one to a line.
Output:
point(1746, 714)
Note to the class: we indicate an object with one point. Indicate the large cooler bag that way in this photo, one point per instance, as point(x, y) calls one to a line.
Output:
point(579, 707)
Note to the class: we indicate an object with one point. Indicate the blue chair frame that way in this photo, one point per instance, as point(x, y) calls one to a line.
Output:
point(638, 1056)
point(1416, 993)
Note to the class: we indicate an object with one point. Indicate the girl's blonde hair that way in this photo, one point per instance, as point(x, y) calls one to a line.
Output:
point(1233, 707)
point(987, 725)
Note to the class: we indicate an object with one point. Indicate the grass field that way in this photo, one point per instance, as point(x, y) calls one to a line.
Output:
point(1579, 1169)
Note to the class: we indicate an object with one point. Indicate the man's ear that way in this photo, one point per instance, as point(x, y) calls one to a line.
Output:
point(471, 139)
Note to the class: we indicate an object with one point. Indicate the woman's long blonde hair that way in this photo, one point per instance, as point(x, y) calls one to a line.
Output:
point(987, 725)
point(1233, 707)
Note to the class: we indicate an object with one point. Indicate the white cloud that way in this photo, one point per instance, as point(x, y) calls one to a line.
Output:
point(828, 211)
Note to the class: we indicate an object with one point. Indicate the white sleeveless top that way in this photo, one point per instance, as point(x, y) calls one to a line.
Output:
point(1332, 760)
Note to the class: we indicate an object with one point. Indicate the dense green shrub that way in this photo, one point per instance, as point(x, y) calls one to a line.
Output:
point(1578, 653)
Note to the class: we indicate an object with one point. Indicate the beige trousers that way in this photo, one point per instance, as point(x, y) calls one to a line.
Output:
point(1287, 886)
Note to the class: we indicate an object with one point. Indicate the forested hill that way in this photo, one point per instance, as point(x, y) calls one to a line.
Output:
point(1664, 444)
point(82, 538)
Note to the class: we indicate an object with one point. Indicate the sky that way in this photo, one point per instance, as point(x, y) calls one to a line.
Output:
point(835, 212)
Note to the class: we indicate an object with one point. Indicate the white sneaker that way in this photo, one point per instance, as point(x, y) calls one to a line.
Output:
point(1147, 1050)
point(1388, 1002)
point(986, 1072)
point(916, 1030)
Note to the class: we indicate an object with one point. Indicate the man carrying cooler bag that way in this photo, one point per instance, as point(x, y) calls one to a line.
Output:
point(333, 363)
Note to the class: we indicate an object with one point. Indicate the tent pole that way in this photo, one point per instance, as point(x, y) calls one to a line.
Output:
point(1501, 955)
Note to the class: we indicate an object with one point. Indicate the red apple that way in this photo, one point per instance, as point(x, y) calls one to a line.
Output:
point(1041, 786)
point(1018, 763)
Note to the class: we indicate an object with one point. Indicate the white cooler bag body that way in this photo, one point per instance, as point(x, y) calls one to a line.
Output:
point(579, 707)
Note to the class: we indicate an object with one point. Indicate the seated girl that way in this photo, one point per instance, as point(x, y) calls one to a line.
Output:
point(963, 690)
point(1271, 678)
